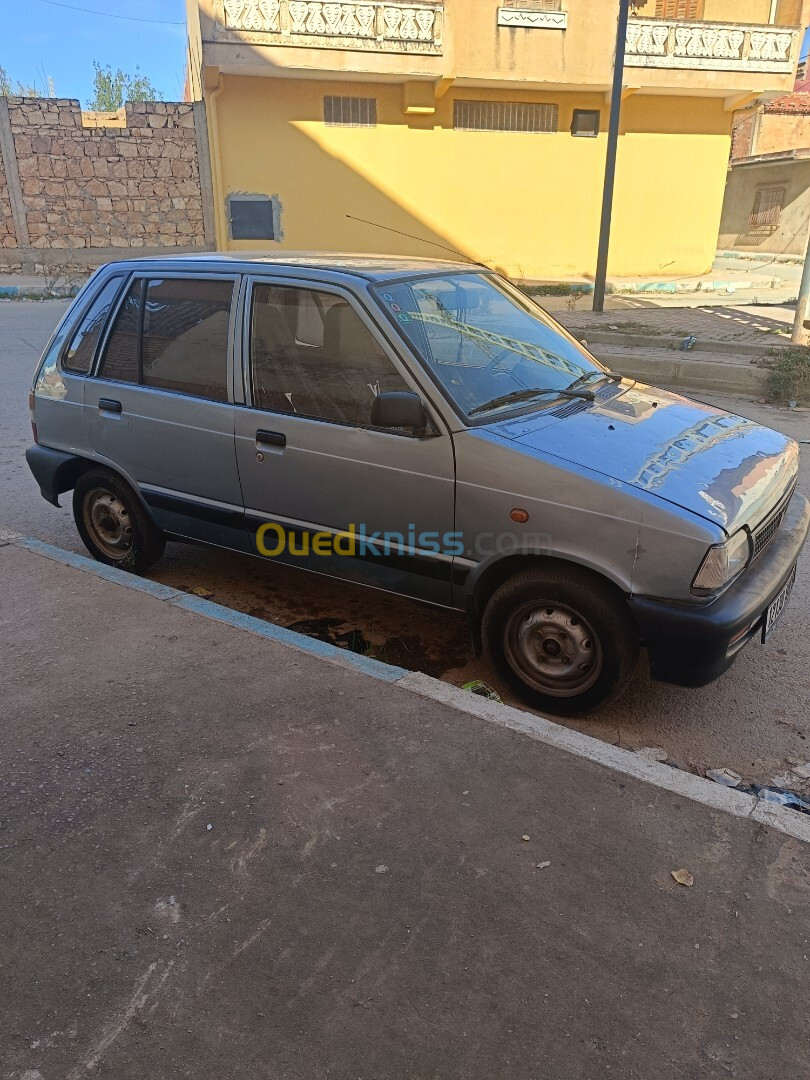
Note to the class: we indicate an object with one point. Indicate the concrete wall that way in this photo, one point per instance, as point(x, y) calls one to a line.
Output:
point(91, 193)
point(528, 203)
point(782, 131)
point(474, 47)
point(790, 237)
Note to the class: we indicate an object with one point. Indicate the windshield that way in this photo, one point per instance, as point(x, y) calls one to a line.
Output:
point(487, 344)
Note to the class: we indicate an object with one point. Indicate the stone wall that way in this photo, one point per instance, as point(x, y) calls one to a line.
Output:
point(93, 193)
point(8, 238)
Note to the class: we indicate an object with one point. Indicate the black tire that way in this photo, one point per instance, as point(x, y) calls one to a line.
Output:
point(112, 523)
point(561, 638)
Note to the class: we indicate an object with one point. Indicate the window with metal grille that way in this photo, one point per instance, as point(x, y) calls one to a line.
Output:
point(504, 116)
point(533, 5)
point(679, 9)
point(767, 207)
point(350, 111)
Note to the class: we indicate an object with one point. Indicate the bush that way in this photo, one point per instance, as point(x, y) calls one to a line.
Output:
point(559, 288)
point(789, 374)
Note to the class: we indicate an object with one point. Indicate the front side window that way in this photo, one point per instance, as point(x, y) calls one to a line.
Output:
point(79, 354)
point(488, 346)
point(172, 333)
point(311, 354)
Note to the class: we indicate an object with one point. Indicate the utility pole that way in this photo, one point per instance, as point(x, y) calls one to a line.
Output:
point(610, 162)
point(801, 304)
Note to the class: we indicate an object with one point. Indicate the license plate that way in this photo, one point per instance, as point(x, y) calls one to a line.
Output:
point(777, 608)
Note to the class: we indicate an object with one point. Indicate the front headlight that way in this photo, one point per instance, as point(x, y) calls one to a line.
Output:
point(723, 563)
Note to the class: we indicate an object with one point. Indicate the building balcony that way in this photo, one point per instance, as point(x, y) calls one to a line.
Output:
point(711, 46)
point(381, 26)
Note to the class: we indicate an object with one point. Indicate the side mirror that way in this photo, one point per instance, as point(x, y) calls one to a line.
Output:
point(399, 409)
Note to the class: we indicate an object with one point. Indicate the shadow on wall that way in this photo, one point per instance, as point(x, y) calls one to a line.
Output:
point(529, 204)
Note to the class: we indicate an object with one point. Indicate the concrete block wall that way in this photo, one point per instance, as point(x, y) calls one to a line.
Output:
point(86, 194)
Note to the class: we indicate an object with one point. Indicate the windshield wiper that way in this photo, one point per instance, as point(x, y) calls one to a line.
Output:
point(611, 376)
point(526, 395)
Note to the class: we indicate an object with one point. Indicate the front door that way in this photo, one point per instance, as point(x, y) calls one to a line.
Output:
point(159, 408)
point(322, 488)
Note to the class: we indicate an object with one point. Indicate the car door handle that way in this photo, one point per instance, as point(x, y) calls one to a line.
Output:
point(271, 438)
point(106, 404)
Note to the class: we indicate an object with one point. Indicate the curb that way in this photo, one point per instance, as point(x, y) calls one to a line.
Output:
point(684, 374)
point(36, 292)
point(687, 785)
point(673, 344)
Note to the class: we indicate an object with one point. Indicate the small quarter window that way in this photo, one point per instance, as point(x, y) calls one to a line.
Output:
point(585, 123)
point(79, 354)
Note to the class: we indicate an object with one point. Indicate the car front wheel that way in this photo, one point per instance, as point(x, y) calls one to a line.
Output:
point(561, 639)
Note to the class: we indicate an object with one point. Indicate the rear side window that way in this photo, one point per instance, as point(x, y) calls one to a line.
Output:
point(185, 336)
point(172, 334)
point(79, 354)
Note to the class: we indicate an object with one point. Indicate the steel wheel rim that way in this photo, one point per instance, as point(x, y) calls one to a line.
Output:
point(108, 522)
point(552, 649)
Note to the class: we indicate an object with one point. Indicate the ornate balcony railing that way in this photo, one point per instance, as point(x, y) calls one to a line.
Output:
point(374, 25)
point(669, 43)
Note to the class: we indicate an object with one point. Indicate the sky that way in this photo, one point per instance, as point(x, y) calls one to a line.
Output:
point(41, 37)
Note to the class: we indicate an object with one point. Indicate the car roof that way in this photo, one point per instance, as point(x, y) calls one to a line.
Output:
point(376, 268)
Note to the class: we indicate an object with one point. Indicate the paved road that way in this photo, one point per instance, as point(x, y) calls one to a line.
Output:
point(753, 720)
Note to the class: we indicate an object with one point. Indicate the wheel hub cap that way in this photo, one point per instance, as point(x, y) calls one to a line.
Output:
point(108, 521)
point(553, 649)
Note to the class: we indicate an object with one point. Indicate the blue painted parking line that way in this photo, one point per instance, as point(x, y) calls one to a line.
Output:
point(367, 664)
point(238, 619)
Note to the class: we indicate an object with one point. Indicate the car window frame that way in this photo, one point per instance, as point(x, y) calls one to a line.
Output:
point(157, 275)
point(76, 321)
point(435, 426)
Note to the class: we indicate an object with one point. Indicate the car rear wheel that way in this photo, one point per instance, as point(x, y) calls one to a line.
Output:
point(561, 639)
point(112, 523)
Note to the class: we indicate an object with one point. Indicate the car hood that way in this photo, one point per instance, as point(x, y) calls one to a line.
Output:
point(716, 464)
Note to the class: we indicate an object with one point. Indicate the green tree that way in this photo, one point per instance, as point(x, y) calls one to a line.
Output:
point(113, 88)
point(11, 89)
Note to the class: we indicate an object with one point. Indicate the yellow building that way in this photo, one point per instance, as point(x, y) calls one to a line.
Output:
point(481, 125)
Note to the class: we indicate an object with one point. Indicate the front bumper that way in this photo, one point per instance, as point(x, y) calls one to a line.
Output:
point(692, 646)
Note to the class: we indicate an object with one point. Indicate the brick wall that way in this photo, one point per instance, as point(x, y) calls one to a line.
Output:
point(92, 193)
point(741, 135)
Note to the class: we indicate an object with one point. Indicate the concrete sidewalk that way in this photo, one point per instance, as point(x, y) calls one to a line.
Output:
point(223, 855)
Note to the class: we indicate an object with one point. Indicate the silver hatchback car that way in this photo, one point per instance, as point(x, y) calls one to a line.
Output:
point(424, 428)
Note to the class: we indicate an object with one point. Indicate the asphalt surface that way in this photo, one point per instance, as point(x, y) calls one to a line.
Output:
point(222, 858)
point(755, 719)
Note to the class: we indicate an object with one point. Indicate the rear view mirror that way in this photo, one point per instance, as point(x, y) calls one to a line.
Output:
point(399, 409)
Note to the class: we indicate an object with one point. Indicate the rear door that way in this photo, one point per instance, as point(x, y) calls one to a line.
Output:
point(311, 463)
point(160, 407)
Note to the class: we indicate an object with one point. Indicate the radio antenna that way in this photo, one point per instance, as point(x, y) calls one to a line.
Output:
point(420, 239)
